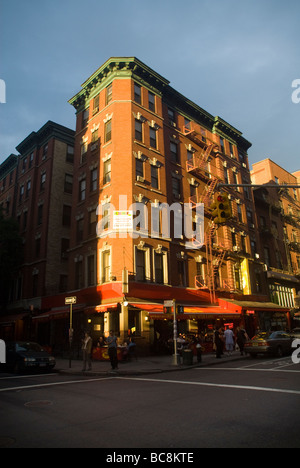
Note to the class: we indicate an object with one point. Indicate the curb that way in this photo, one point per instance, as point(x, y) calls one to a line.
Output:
point(121, 372)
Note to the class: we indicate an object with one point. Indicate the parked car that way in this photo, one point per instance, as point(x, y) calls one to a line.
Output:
point(295, 333)
point(25, 355)
point(275, 343)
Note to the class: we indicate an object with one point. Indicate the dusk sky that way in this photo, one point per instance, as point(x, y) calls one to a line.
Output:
point(236, 59)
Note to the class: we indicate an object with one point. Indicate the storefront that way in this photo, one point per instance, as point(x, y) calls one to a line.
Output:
point(263, 316)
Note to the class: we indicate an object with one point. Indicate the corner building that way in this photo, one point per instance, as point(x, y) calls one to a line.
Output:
point(139, 139)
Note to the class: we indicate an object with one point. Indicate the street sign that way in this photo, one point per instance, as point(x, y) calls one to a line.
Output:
point(71, 300)
point(168, 303)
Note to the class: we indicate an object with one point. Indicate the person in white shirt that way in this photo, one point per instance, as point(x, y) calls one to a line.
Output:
point(229, 340)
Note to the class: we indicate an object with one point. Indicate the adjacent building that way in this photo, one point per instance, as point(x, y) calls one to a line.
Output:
point(278, 218)
point(36, 189)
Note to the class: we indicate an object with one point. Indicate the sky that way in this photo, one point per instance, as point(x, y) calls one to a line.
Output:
point(235, 59)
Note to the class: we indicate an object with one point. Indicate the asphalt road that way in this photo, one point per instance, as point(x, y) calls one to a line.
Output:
point(253, 403)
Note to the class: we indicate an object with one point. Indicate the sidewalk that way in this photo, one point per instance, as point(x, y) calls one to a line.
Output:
point(141, 366)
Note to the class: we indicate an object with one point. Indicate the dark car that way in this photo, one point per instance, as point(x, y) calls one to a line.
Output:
point(275, 343)
point(26, 355)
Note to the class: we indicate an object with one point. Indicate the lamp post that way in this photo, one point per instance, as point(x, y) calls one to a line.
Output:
point(176, 356)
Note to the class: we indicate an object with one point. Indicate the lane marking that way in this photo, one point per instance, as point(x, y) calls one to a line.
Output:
point(275, 369)
point(209, 384)
point(26, 376)
point(53, 384)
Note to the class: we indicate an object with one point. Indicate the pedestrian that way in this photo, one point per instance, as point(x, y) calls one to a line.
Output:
point(87, 346)
point(219, 342)
point(198, 343)
point(229, 340)
point(111, 341)
point(241, 338)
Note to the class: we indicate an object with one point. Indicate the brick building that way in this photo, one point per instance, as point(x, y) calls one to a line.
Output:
point(138, 138)
point(36, 189)
point(278, 216)
point(117, 222)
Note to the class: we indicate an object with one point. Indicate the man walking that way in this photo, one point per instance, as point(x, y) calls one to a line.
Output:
point(87, 346)
point(111, 341)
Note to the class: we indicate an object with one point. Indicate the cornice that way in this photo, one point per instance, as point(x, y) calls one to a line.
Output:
point(120, 67)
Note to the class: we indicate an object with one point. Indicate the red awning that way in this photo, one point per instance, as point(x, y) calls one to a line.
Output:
point(57, 313)
point(148, 307)
point(98, 309)
point(198, 313)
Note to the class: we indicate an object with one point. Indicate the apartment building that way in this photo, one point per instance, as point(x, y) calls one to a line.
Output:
point(36, 189)
point(138, 140)
point(278, 217)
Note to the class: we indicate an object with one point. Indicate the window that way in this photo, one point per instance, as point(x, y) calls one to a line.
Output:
point(94, 180)
point(107, 131)
point(66, 220)
point(85, 118)
point(159, 268)
point(138, 130)
point(108, 96)
point(79, 230)
point(82, 190)
point(106, 266)
point(181, 269)
point(31, 157)
point(140, 265)
point(107, 172)
point(79, 275)
point(92, 222)
point(40, 215)
point(91, 270)
point(154, 177)
point(171, 115)
point(153, 138)
point(68, 187)
point(64, 247)
point(187, 124)
point(240, 213)
point(96, 105)
point(176, 187)
point(70, 154)
point(137, 93)
point(222, 144)
point(139, 168)
point(43, 181)
point(45, 151)
point(267, 256)
point(21, 194)
point(28, 187)
point(151, 101)
point(174, 152)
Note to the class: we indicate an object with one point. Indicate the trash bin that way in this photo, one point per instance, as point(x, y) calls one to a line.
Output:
point(187, 357)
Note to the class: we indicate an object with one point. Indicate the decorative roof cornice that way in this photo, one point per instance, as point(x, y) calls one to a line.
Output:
point(131, 67)
point(39, 138)
point(120, 67)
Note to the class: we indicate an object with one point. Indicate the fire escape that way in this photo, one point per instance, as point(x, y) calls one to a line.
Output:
point(215, 252)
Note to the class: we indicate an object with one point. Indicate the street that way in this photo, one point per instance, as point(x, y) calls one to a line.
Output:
point(250, 403)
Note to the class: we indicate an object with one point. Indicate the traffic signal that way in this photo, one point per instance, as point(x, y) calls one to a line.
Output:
point(221, 209)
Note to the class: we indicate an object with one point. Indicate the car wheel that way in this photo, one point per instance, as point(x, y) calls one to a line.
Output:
point(279, 352)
